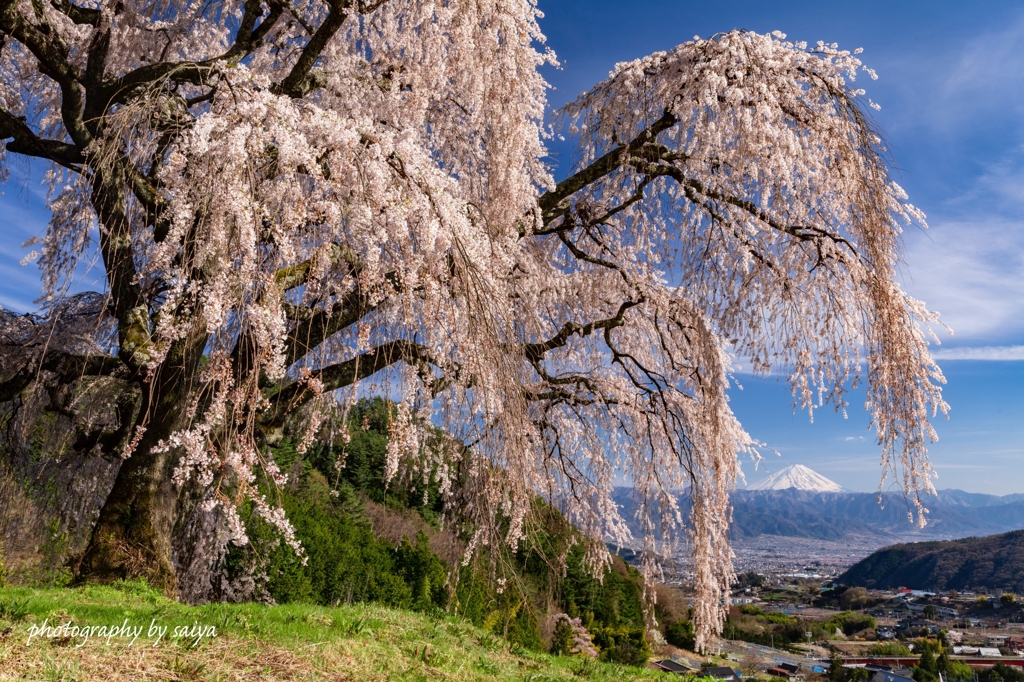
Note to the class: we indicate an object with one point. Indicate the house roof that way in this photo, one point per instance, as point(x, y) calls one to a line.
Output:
point(673, 667)
point(780, 672)
point(721, 672)
point(885, 676)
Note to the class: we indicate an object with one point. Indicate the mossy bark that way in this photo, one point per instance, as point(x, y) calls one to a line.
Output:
point(132, 537)
point(133, 534)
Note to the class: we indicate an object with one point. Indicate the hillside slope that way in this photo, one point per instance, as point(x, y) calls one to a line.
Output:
point(995, 562)
point(259, 642)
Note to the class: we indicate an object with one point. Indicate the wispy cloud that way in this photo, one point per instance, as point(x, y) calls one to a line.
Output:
point(973, 274)
point(981, 353)
point(854, 439)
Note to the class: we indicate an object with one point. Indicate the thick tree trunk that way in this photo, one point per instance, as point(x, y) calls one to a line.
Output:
point(133, 535)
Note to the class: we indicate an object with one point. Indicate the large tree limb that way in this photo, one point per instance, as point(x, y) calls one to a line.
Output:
point(79, 15)
point(53, 61)
point(311, 332)
point(67, 366)
point(551, 201)
point(129, 305)
point(301, 79)
point(28, 143)
point(346, 373)
point(248, 37)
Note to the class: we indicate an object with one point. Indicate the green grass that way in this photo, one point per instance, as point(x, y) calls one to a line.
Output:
point(256, 641)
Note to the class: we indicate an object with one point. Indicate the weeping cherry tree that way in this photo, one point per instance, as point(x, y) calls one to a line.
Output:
point(297, 202)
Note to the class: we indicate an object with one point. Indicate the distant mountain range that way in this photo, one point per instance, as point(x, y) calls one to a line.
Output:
point(832, 516)
point(797, 502)
point(995, 562)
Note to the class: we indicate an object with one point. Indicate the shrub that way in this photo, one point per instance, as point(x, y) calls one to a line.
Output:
point(571, 638)
point(888, 649)
point(423, 572)
point(853, 598)
point(933, 646)
point(1001, 672)
point(623, 644)
point(850, 622)
point(345, 560)
point(957, 670)
point(680, 634)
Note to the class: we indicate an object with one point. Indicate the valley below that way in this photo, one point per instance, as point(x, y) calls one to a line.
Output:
point(799, 523)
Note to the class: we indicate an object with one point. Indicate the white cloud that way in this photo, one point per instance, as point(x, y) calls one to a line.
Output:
point(960, 84)
point(854, 439)
point(990, 65)
point(973, 274)
point(981, 353)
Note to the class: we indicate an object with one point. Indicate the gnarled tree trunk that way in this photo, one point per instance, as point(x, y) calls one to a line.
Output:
point(133, 535)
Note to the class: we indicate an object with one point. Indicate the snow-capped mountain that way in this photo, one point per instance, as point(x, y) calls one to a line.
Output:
point(800, 477)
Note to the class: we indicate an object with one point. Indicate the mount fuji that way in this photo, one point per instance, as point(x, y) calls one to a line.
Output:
point(800, 477)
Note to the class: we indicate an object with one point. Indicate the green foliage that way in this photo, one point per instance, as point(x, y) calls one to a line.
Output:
point(777, 617)
point(958, 670)
point(423, 572)
point(521, 628)
point(836, 672)
point(562, 639)
point(345, 561)
point(853, 598)
point(1008, 599)
point(1001, 672)
point(364, 459)
point(615, 600)
point(934, 646)
point(857, 675)
point(347, 564)
point(680, 634)
point(622, 644)
point(750, 579)
point(850, 622)
point(888, 649)
point(927, 669)
point(13, 610)
point(767, 616)
point(944, 565)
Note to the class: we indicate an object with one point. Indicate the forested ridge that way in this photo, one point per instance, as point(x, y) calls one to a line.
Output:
point(368, 543)
point(994, 562)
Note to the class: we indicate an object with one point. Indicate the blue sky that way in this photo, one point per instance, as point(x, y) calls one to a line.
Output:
point(951, 86)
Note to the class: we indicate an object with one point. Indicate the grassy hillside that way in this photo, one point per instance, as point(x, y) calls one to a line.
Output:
point(993, 562)
point(392, 549)
point(255, 641)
